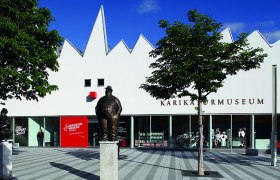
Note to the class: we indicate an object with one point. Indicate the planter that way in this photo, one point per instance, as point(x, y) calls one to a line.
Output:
point(5, 160)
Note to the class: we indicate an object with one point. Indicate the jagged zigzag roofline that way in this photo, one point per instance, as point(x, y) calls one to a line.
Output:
point(108, 49)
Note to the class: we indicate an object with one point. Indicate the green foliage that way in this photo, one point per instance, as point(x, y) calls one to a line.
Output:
point(27, 50)
point(193, 61)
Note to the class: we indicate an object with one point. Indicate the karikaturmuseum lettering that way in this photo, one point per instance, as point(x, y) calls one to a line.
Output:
point(213, 102)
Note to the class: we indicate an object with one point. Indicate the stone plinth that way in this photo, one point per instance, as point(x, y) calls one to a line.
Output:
point(108, 160)
point(5, 160)
point(15, 148)
point(252, 152)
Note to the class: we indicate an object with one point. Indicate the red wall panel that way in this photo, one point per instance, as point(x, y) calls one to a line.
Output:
point(74, 131)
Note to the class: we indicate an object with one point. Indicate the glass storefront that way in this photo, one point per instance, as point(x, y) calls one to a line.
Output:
point(241, 131)
point(262, 128)
point(278, 128)
point(159, 131)
point(142, 130)
point(21, 131)
point(52, 131)
point(34, 126)
point(154, 131)
point(26, 129)
point(195, 131)
point(221, 131)
point(93, 132)
point(124, 131)
point(181, 131)
point(151, 131)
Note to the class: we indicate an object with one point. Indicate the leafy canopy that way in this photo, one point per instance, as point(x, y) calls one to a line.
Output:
point(27, 50)
point(193, 61)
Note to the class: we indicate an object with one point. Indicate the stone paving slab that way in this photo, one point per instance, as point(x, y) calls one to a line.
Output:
point(147, 164)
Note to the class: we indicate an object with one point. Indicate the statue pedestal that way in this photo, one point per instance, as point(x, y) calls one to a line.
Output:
point(5, 160)
point(108, 160)
point(15, 148)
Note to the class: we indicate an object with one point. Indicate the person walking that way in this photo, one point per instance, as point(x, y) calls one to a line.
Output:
point(40, 137)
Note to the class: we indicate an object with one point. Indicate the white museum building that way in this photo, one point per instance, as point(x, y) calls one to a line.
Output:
point(239, 115)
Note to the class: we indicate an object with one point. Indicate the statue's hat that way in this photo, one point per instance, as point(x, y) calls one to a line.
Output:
point(109, 88)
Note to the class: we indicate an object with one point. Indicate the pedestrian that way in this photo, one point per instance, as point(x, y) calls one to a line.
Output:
point(40, 137)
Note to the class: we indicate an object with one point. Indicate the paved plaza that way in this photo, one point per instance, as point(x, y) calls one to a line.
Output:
point(146, 164)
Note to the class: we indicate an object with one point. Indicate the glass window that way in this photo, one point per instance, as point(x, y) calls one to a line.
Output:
point(205, 122)
point(221, 132)
point(263, 128)
point(240, 131)
point(52, 131)
point(278, 129)
point(278, 132)
point(100, 82)
point(142, 131)
point(195, 131)
point(180, 131)
point(21, 131)
point(87, 83)
point(263, 125)
point(35, 124)
point(93, 131)
point(124, 131)
point(160, 126)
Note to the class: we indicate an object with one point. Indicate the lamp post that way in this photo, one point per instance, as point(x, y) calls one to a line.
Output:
point(274, 117)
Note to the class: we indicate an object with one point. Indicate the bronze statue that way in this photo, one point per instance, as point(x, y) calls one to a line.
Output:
point(5, 128)
point(108, 110)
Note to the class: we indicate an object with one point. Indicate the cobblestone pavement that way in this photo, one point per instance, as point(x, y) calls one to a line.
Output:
point(83, 163)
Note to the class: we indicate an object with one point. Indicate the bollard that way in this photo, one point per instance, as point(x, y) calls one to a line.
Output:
point(5, 160)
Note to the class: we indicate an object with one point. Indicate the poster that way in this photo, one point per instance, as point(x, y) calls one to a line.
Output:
point(74, 131)
point(122, 133)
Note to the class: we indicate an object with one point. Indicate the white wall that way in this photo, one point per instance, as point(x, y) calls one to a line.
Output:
point(126, 70)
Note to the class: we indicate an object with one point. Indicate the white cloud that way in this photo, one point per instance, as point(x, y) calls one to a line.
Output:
point(239, 27)
point(272, 36)
point(236, 27)
point(148, 6)
point(266, 23)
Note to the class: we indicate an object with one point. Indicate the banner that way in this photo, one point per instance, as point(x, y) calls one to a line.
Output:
point(74, 131)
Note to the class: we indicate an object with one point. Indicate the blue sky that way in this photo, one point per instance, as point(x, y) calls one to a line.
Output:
point(126, 19)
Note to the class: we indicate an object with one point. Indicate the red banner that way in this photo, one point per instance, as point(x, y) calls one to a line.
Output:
point(74, 131)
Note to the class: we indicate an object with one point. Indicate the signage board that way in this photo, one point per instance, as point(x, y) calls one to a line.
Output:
point(74, 131)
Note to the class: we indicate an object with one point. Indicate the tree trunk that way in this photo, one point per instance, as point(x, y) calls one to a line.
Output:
point(200, 148)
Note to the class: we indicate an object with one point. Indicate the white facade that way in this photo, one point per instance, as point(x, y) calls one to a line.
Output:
point(125, 70)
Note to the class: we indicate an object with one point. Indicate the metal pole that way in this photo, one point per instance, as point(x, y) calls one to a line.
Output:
point(131, 132)
point(231, 133)
point(210, 133)
point(170, 132)
point(252, 134)
point(44, 122)
point(274, 117)
point(190, 130)
point(150, 130)
point(14, 129)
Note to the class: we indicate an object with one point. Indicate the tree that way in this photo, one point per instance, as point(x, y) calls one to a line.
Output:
point(193, 61)
point(27, 50)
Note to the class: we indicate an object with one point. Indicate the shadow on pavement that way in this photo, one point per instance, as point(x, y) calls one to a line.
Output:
point(82, 174)
point(227, 157)
point(84, 154)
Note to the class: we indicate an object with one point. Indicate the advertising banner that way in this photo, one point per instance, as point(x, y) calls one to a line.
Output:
point(74, 131)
